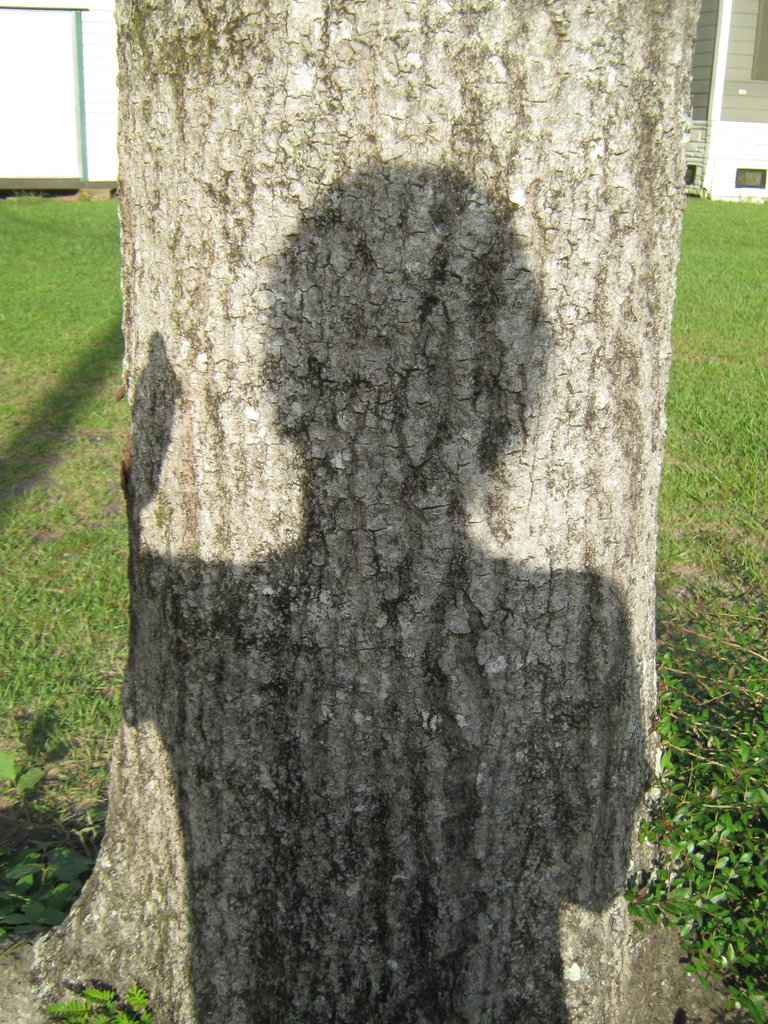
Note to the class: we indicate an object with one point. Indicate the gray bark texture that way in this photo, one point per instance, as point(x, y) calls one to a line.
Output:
point(398, 281)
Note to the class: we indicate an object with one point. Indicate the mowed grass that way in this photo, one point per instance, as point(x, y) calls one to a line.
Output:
point(713, 502)
point(63, 589)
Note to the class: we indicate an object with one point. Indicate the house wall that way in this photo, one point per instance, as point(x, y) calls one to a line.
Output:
point(100, 71)
point(744, 98)
point(696, 154)
point(702, 77)
point(703, 59)
point(36, 78)
point(40, 125)
point(730, 110)
point(735, 144)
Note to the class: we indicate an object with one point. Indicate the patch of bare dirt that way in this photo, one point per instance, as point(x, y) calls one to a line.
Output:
point(662, 992)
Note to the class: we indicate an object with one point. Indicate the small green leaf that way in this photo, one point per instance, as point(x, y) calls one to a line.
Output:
point(68, 865)
point(23, 869)
point(7, 767)
point(72, 1012)
point(136, 998)
point(99, 996)
point(34, 911)
point(30, 779)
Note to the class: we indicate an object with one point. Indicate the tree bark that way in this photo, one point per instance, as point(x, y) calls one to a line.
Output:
point(398, 284)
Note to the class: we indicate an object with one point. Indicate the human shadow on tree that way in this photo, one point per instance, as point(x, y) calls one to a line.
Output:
point(396, 754)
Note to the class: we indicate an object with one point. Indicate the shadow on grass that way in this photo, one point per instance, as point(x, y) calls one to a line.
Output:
point(36, 446)
point(27, 818)
point(42, 737)
point(21, 829)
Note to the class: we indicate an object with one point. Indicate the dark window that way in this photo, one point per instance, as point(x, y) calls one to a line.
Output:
point(690, 174)
point(749, 177)
point(760, 58)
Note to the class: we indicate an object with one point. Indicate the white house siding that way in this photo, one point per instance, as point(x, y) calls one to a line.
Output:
point(738, 133)
point(703, 59)
point(744, 98)
point(100, 73)
point(734, 145)
point(54, 129)
point(39, 118)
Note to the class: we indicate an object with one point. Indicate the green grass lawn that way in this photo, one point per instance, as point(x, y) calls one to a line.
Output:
point(63, 590)
point(62, 534)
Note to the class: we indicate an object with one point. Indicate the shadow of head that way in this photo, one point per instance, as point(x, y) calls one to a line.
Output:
point(405, 329)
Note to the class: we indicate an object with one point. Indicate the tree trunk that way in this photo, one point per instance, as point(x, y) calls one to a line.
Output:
point(398, 282)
